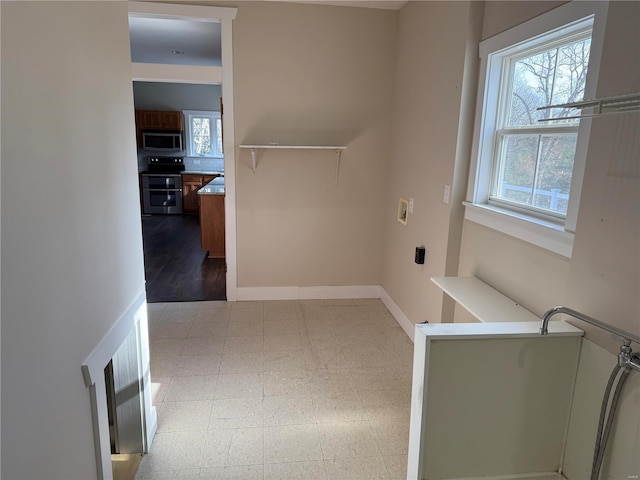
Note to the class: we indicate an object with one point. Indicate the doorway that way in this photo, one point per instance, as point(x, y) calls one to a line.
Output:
point(136, 315)
point(177, 267)
point(192, 48)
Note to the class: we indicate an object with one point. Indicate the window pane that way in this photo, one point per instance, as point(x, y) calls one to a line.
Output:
point(219, 134)
point(517, 167)
point(554, 172)
point(554, 76)
point(571, 73)
point(201, 135)
point(535, 171)
point(532, 80)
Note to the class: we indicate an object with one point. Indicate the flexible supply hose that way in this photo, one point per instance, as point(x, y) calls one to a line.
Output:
point(603, 436)
point(612, 412)
point(601, 421)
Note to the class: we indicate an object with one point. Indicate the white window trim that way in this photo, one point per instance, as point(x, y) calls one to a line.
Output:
point(529, 229)
point(554, 237)
point(187, 120)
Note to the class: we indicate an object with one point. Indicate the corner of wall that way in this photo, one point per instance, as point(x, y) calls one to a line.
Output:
point(463, 149)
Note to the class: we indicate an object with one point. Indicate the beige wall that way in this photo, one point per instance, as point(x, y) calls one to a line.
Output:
point(429, 87)
point(307, 74)
point(532, 276)
point(508, 264)
point(389, 85)
point(500, 16)
point(602, 278)
point(71, 237)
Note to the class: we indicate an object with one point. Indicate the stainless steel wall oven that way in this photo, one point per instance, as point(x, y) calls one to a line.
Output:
point(162, 193)
point(162, 186)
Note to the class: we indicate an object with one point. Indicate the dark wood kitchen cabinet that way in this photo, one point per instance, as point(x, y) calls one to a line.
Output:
point(190, 189)
point(157, 120)
point(212, 227)
point(191, 183)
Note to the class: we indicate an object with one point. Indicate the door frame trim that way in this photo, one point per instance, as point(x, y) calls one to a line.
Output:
point(205, 75)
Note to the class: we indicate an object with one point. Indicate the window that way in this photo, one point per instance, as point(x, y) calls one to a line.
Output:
point(533, 158)
point(204, 134)
point(527, 164)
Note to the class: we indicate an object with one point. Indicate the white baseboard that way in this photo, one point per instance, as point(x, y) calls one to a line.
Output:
point(329, 292)
point(405, 322)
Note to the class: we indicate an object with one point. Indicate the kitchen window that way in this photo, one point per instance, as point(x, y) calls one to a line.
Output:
point(526, 173)
point(203, 134)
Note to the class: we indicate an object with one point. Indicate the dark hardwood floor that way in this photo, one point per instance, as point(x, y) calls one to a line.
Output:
point(176, 268)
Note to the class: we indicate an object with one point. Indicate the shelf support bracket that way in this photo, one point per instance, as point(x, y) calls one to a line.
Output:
point(339, 152)
point(254, 154)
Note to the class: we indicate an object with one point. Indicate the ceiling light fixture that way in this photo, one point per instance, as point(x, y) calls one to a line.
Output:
point(177, 52)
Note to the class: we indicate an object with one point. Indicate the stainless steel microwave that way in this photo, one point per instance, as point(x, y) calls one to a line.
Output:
point(165, 140)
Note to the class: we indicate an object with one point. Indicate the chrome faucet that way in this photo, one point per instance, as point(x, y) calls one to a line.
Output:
point(627, 358)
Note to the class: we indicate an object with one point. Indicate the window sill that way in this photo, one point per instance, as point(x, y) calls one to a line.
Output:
point(529, 229)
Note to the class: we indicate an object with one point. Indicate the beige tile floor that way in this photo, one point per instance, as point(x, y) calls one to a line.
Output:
point(313, 389)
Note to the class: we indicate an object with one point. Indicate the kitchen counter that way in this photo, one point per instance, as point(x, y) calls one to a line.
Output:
point(214, 187)
point(201, 172)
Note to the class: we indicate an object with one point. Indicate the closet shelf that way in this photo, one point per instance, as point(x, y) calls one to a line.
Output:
point(272, 146)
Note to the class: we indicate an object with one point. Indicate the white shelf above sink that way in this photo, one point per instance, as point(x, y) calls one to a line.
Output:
point(272, 146)
point(483, 301)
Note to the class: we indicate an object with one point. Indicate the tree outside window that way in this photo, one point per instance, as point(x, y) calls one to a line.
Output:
point(534, 160)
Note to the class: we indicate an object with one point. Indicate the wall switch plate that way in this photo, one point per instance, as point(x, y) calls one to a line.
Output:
point(447, 194)
point(411, 205)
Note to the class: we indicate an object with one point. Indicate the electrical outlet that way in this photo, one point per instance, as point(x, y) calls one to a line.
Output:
point(447, 194)
point(411, 205)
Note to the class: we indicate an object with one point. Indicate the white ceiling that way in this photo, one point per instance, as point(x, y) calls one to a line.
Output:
point(184, 42)
point(177, 42)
